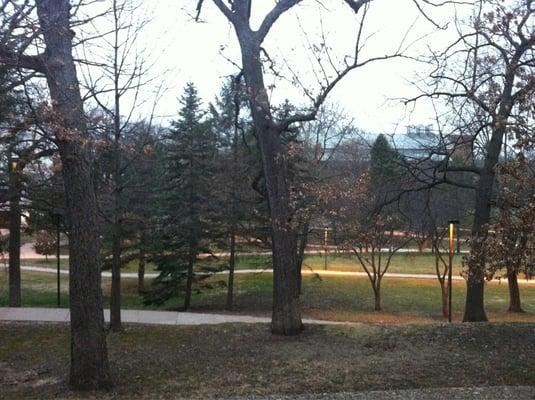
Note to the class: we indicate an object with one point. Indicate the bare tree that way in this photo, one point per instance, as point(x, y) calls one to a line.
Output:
point(121, 71)
point(486, 76)
point(377, 235)
point(271, 133)
point(89, 357)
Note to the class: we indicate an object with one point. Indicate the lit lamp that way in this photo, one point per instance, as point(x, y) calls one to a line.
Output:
point(325, 241)
point(13, 164)
point(452, 225)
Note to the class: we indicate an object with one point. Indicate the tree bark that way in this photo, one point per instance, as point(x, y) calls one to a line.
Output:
point(303, 239)
point(475, 307)
point(141, 268)
point(115, 297)
point(286, 314)
point(231, 266)
point(444, 292)
point(89, 358)
point(189, 279)
point(14, 240)
point(377, 297)
point(514, 292)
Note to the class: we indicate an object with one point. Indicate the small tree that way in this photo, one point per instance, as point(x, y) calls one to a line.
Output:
point(45, 244)
point(509, 245)
point(377, 234)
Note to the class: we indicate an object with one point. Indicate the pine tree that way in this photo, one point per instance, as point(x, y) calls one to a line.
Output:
point(183, 226)
point(385, 171)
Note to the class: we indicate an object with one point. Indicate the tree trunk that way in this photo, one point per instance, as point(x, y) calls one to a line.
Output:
point(14, 240)
point(89, 358)
point(444, 292)
point(231, 267)
point(115, 297)
point(189, 279)
point(286, 315)
point(377, 297)
point(475, 307)
point(303, 239)
point(141, 269)
point(514, 292)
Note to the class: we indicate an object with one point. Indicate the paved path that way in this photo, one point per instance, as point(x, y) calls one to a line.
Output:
point(145, 317)
point(27, 252)
point(133, 275)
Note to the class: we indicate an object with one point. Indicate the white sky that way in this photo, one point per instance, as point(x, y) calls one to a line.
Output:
point(200, 52)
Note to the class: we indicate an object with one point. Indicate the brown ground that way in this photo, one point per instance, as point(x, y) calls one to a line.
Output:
point(243, 360)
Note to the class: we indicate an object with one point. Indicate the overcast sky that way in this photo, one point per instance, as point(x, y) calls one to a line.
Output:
point(204, 53)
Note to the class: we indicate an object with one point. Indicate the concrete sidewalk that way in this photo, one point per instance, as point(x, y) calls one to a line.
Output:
point(145, 317)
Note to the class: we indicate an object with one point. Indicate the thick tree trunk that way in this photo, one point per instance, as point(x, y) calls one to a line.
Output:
point(514, 292)
point(286, 315)
point(14, 240)
point(474, 310)
point(89, 357)
point(475, 307)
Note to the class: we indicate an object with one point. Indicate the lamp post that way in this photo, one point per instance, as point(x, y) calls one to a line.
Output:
point(325, 241)
point(56, 215)
point(14, 168)
point(452, 224)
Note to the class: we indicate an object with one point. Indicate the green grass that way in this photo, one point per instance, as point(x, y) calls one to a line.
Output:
point(208, 362)
point(410, 263)
point(333, 298)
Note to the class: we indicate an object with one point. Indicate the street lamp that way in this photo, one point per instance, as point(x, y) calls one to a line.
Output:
point(452, 224)
point(57, 214)
point(13, 164)
point(325, 241)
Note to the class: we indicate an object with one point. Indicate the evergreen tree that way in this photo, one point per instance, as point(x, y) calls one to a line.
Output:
point(385, 172)
point(184, 227)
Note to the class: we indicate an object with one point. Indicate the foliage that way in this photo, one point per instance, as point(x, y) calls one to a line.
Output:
point(44, 243)
point(510, 244)
point(185, 222)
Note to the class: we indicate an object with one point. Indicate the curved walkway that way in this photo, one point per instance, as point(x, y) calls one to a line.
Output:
point(133, 275)
point(145, 317)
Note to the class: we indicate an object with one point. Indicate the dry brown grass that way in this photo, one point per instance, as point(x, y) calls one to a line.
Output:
point(235, 360)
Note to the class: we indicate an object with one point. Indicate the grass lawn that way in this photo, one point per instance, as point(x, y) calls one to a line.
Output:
point(241, 360)
point(330, 298)
point(410, 263)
